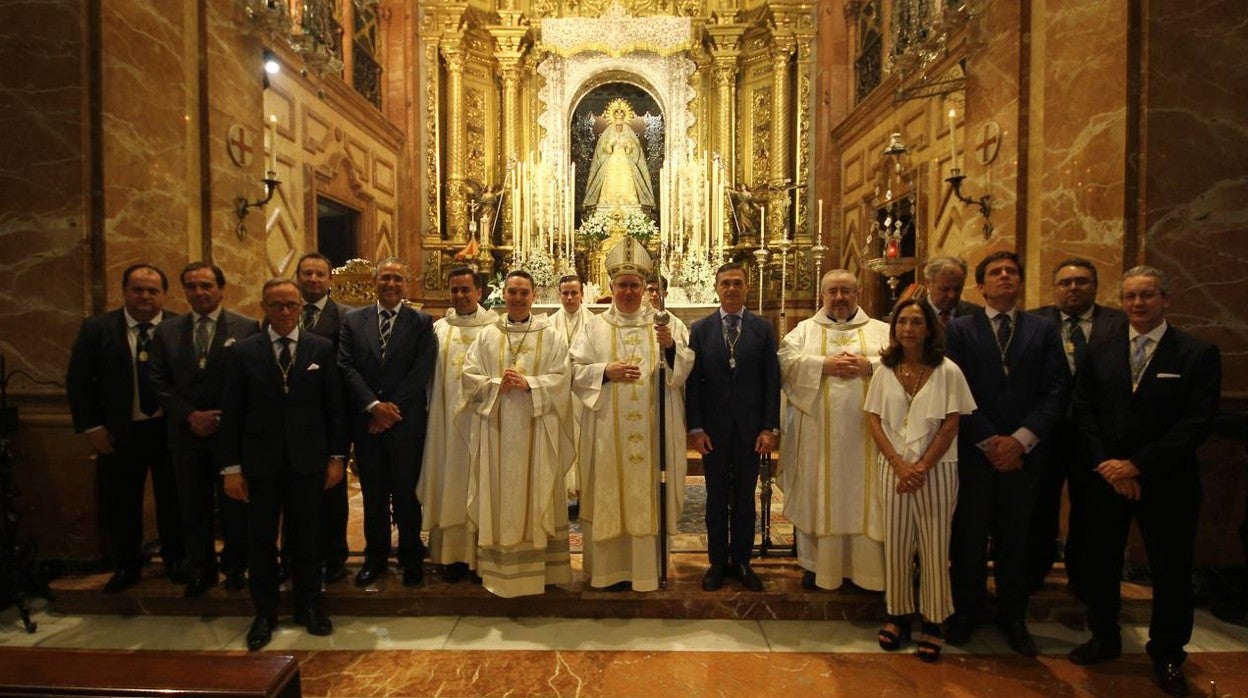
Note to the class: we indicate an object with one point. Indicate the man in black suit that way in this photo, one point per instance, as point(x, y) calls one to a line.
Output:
point(1014, 364)
point(188, 371)
point(114, 404)
point(1081, 319)
point(945, 277)
point(732, 413)
point(322, 315)
point(1146, 400)
point(387, 353)
point(282, 444)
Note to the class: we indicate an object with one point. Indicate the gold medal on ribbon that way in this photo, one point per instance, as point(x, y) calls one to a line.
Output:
point(203, 362)
point(143, 356)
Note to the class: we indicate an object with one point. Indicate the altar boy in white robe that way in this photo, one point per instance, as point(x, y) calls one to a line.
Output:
point(617, 364)
point(443, 485)
point(516, 383)
point(827, 471)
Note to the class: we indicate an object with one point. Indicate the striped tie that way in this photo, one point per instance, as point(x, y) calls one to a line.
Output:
point(385, 328)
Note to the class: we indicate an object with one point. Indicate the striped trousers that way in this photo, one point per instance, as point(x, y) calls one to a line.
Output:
point(920, 522)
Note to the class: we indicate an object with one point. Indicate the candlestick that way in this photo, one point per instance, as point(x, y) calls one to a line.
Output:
point(953, 145)
point(762, 226)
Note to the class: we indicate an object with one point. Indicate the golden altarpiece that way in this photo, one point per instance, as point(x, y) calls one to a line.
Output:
point(551, 129)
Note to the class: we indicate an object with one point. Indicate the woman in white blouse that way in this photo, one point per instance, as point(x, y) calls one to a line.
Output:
point(912, 408)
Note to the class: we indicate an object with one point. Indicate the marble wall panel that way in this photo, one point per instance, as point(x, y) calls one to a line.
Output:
point(1194, 188)
point(1080, 137)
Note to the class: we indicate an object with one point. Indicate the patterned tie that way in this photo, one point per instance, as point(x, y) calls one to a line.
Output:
point(1005, 330)
point(142, 370)
point(944, 318)
point(1139, 358)
point(733, 332)
point(1077, 341)
point(310, 312)
point(202, 340)
point(384, 329)
point(284, 358)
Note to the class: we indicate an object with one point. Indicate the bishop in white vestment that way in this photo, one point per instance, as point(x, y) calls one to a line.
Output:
point(443, 486)
point(827, 464)
point(623, 362)
point(516, 383)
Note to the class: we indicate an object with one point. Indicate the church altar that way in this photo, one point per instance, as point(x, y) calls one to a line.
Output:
point(567, 127)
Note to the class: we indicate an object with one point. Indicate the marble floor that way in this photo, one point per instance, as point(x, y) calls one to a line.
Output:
point(485, 656)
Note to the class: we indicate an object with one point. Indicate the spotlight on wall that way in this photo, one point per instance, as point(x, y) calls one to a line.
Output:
point(271, 65)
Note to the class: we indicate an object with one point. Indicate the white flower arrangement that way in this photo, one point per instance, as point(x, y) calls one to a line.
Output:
point(541, 267)
point(636, 225)
point(697, 276)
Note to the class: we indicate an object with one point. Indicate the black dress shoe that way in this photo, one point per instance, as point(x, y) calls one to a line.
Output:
point(455, 572)
point(749, 580)
point(121, 580)
point(714, 578)
point(808, 581)
point(413, 575)
point(198, 585)
point(333, 572)
point(1019, 638)
point(260, 633)
point(369, 573)
point(1170, 678)
point(314, 620)
point(1096, 650)
point(959, 629)
point(235, 580)
point(619, 587)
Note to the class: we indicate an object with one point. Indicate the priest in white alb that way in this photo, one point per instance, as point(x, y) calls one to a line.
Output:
point(623, 363)
point(516, 384)
point(443, 486)
point(570, 319)
point(827, 465)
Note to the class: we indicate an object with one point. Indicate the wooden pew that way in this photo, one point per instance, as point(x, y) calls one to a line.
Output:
point(45, 672)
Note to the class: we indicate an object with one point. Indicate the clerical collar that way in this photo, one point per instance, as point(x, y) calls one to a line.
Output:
point(849, 319)
point(132, 323)
point(525, 321)
point(293, 336)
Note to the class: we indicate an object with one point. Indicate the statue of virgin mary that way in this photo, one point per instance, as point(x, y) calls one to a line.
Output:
point(618, 175)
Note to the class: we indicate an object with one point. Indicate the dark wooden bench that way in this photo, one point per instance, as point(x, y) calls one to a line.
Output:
point(40, 672)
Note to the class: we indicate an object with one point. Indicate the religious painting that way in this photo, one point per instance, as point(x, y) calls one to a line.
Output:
point(617, 135)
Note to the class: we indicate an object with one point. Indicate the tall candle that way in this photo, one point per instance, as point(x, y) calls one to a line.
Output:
point(953, 145)
point(819, 240)
point(762, 227)
point(272, 145)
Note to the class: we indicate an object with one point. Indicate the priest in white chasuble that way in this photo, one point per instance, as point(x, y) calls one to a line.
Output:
point(827, 462)
point(443, 486)
point(516, 385)
point(617, 363)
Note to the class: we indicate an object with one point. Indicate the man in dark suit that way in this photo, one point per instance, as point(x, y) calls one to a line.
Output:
point(282, 444)
point(322, 315)
point(1014, 364)
point(1081, 319)
point(732, 413)
point(188, 371)
point(945, 277)
point(1146, 400)
point(114, 404)
point(387, 353)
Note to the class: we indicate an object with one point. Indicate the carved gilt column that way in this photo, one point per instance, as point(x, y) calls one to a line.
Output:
point(456, 202)
point(509, 39)
point(781, 150)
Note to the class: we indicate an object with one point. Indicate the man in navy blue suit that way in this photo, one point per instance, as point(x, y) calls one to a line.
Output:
point(732, 413)
point(282, 443)
point(1146, 398)
point(387, 353)
point(1017, 371)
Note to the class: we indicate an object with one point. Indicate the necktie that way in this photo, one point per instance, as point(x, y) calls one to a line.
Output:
point(202, 341)
point(309, 316)
point(944, 318)
point(384, 328)
point(283, 357)
point(1005, 330)
point(732, 332)
point(142, 370)
point(1139, 358)
point(1077, 341)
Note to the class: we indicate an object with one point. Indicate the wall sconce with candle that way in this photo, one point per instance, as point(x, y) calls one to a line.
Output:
point(956, 178)
point(271, 182)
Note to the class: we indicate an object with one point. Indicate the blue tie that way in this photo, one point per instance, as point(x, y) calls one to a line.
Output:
point(385, 328)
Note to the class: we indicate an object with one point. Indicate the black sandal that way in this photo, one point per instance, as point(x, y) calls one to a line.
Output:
point(927, 650)
point(892, 641)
